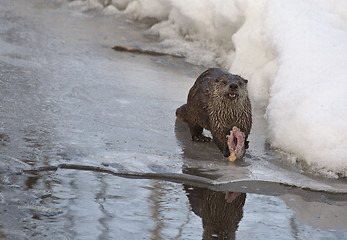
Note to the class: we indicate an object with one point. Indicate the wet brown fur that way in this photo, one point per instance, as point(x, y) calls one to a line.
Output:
point(209, 106)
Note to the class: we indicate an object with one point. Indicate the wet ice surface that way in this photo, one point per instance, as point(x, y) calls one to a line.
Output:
point(66, 97)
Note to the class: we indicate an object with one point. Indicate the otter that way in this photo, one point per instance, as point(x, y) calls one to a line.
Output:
point(220, 212)
point(217, 102)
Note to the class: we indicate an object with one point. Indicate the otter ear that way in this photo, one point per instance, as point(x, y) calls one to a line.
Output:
point(245, 81)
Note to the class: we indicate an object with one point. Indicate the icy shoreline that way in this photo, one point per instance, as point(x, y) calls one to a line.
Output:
point(293, 53)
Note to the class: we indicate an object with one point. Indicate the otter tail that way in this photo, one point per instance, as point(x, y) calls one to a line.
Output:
point(181, 113)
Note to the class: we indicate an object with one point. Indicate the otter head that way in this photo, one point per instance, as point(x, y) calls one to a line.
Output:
point(231, 87)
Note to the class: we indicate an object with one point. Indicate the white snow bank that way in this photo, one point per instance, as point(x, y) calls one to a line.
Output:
point(293, 52)
point(307, 113)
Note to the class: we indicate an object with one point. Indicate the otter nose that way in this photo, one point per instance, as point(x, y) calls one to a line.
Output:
point(233, 86)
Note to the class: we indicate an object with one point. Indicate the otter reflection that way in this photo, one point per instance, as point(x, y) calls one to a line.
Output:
point(220, 212)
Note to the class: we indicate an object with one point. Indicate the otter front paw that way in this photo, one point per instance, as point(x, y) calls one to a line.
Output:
point(201, 138)
point(226, 152)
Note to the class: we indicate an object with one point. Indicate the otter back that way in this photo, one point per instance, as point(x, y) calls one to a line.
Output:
point(217, 101)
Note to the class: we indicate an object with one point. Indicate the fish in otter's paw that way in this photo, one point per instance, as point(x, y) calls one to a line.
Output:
point(218, 101)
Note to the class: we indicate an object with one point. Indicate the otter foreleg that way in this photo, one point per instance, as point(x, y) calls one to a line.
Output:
point(196, 133)
point(221, 142)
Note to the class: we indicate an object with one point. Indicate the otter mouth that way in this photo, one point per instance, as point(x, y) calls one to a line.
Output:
point(232, 95)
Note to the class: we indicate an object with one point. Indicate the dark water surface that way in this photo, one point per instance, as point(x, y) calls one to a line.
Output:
point(67, 97)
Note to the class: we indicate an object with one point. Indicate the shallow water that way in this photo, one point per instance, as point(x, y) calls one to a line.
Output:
point(67, 97)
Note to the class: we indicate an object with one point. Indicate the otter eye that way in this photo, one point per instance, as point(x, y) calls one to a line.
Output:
point(242, 81)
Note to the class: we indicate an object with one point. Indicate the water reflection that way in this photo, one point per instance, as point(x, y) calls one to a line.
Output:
point(220, 212)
